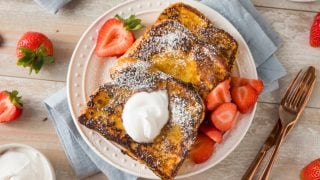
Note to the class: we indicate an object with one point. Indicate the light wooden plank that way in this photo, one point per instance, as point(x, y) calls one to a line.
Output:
point(99, 176)
point(64, 29)
point(30, 128)
point(295, 53)
point(286, 4)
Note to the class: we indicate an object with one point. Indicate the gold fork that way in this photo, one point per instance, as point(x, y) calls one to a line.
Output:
point(273, 137)
point(291, 107)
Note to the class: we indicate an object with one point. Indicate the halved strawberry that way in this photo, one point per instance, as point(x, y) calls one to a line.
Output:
point(115, 36)
point(244, 97)
point(202, 149)
point(315, 31)
point(211, 132)
point(224, 116)
point(10, 106)
point(257, 84)
point(218, 95)
point(311, 171)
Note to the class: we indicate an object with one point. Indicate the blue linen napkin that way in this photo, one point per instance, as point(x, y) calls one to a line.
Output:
point(261, 39)
point(52, 5)
point(263, 43)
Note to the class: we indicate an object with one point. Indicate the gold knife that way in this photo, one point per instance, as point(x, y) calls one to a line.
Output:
point(270, 141)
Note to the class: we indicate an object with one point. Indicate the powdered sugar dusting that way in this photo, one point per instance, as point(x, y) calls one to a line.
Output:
point(180, 113)
point(137, 76)
point(184, 114)
point(165, 37)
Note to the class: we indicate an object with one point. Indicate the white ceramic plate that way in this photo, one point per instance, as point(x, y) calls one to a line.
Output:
point(87, 72)
point(46, 163)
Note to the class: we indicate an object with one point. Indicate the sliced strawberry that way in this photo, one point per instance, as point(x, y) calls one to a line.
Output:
point(211, 132)
point(224, 116)
point(219, 95)
point(257, 84)
point(315, 32)
point(244, 97)
point(202, 149)
point(115, 36)
point(113, 39)
point(10, 106)
point(311, 171)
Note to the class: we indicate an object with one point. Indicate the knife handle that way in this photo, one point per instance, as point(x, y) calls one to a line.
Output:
point(251, 171)
point(267, 170)
point(268, 144)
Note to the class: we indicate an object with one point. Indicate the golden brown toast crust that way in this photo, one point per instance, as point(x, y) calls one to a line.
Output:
point(173, 49)
point(203, 28)
point(165, 155)
point(185, 44)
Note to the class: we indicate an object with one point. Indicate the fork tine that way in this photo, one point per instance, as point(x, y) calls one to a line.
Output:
point(289, 90)
point(301, 95)
point(301, 89)
point(307, 90)
point(296, 87)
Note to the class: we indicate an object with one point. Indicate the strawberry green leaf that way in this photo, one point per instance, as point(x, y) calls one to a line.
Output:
point(119, 18)
point(14, 98)
point(36, 66)
point(34, 59)
point(26, 51)
point(137, 27)
point(131, 23)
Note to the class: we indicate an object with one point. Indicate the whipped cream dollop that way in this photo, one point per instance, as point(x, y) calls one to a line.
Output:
point(23, 163)
point(145, 114)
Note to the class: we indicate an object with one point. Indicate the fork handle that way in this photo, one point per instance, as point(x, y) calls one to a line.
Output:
point(251, 171)
point(267, 170)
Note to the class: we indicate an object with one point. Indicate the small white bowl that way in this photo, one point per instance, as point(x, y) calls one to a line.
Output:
point(45, 161)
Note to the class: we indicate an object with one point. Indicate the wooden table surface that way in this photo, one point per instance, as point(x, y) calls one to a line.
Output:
point(291, 20)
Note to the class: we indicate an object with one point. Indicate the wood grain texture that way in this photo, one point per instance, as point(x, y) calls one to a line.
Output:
point(30, 128)
point(65, 29)
point(287, 4)
point(295, 53)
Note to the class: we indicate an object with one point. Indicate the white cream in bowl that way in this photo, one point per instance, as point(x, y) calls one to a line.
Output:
point(21, 162)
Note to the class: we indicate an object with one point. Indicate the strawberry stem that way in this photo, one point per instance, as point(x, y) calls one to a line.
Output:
point(131, 23)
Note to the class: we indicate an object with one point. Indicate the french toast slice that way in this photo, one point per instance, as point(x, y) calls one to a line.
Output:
point(203, 28)
point(173, 49)
point(166, 153)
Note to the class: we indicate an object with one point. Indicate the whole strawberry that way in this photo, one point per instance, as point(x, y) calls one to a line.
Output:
point(315, 32)
point(311, 171)
point(34, 49)
point(10, 106)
